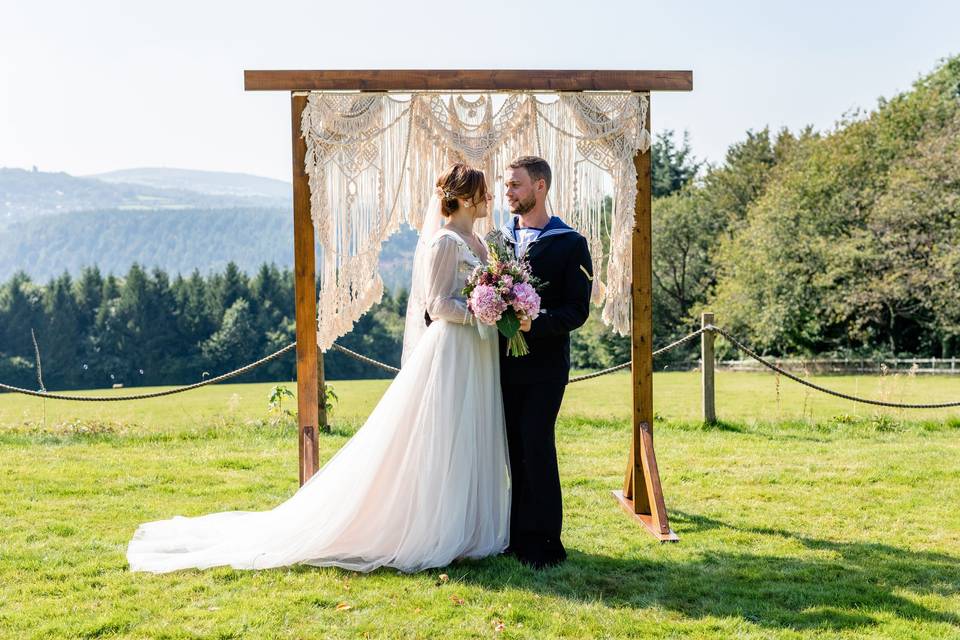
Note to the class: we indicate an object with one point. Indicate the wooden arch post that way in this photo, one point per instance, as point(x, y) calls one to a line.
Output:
point(642, 495)
point(311, 397)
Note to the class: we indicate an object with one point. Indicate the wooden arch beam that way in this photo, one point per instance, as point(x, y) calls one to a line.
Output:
point(467, 80)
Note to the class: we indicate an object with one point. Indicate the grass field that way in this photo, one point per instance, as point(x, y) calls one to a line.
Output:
point(800, 516)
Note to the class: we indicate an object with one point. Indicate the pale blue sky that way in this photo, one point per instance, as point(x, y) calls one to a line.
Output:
point(99, 85)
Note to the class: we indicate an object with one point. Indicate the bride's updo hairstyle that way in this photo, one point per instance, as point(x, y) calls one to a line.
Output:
point(460, 181)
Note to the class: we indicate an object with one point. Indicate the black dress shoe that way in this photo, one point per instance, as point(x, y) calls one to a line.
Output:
point(542, 558)
point(540, 563)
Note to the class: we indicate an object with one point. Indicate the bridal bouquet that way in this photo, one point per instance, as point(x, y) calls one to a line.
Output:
point(499, 293)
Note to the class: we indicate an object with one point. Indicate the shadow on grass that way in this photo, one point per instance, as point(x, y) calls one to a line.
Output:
point(699, 425)
point(830, 586)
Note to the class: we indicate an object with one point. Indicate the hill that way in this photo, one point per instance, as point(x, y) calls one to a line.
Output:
point(27, 195)
point(175, 219)
point(217, 183)
point(177, 241)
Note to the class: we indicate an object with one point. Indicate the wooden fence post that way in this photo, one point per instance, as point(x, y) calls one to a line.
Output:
point(706, 370)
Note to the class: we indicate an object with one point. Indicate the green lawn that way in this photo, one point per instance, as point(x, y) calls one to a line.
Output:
point(800, 516)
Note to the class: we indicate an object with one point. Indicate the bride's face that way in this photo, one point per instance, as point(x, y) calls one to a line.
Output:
point(481, 207)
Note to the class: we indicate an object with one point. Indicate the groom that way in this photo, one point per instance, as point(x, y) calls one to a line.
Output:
point(533, 384)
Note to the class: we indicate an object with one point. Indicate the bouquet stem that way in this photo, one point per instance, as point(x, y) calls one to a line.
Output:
point(517, 346)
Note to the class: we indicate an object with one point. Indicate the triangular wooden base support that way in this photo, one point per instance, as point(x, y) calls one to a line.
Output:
point(642, 494)
point(645, 519)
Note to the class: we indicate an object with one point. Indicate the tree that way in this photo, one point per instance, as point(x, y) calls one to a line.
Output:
point(671, 167)
point(911, 251)
point(685, 232)
point(21, 309)
point(229, 288)
point(88, 292)
point(380, 332)
point(60, 338)
point(821, 259)
point(269, 301)
point(233, 343)
point(731, 188)
point(163, 353)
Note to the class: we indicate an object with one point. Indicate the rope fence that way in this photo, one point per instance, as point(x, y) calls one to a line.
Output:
point(156, 394)
point(706, 329)
point(880, 403)
point(626, 365)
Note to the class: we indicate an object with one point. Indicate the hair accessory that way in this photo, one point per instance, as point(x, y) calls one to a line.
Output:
point(444, 194)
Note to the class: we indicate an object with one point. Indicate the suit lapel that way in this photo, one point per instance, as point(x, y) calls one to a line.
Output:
point(536, 247)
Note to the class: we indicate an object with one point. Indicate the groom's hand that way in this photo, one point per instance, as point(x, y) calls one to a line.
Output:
point(525, 323)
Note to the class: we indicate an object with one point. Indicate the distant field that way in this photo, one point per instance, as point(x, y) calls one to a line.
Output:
point(800, 516)
point(741, 397)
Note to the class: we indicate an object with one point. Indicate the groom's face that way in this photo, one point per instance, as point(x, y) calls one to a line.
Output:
point(520, 190)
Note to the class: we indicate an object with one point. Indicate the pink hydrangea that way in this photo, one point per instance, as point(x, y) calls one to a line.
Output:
point(526, 300)
point(486, 304)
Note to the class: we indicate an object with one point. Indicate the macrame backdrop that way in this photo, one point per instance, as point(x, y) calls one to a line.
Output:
point(373, 160)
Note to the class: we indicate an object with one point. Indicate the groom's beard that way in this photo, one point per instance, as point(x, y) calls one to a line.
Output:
point(521, 207)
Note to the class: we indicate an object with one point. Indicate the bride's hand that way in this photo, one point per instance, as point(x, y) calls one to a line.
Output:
point(525, 323)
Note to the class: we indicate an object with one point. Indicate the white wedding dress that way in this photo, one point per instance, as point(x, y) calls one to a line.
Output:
point(423, 482)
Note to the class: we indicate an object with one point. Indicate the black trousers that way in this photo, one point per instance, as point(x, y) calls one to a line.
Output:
point(536, 515)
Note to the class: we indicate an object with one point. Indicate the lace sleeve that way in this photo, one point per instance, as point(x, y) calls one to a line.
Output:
point(444, 301)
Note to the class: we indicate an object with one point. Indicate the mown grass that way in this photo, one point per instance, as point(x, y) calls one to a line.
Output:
point(800, 516)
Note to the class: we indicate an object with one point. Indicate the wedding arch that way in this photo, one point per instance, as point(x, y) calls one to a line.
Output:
point(367, 147)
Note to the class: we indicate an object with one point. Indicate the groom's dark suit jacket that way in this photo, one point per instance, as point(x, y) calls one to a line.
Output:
point(560, 257)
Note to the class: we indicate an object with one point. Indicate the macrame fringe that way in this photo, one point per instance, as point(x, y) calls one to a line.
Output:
point(373, 159)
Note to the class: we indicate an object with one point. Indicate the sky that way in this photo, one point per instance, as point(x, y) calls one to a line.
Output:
point(94, 86)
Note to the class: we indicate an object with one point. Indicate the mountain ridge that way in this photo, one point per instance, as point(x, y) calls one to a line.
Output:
point(199, 180)
point(28, 194)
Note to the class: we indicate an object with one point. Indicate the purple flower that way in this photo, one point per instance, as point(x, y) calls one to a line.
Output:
point(526, 300)
point(486, 304)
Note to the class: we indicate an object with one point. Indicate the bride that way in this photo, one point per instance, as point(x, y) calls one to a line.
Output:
point(426, 479)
